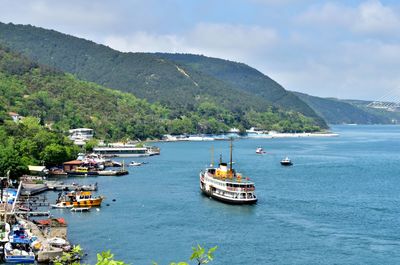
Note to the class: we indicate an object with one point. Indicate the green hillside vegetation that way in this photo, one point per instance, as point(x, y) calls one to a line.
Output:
point(336, 111)
point(61, 102)
point(247, 79)
point(179, 87)
point(28, 143)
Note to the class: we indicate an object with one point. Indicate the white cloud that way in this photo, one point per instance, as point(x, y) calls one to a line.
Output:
point(373, 17)
point(235, 42)
point(370, 17)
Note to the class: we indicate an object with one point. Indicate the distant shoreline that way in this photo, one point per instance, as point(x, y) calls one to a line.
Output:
point(226, 137)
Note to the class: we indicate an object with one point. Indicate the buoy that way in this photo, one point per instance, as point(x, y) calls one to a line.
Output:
point(114, 200)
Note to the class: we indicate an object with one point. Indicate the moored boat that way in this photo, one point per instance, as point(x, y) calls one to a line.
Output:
point(80, 209)
point(78, 199)
point(82, 171)
point(223, 183)
point(61, 205)
point(135, 164)
point(18, 249)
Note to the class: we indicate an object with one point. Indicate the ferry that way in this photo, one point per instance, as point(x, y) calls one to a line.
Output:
point(127, 151)
point(223, 183)
point(77, 199)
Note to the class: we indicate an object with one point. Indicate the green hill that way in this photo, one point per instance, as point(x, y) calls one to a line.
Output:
point(60, 101)
point(247, 79)
point(63, 102)
point(181, 87)
point(336, 111)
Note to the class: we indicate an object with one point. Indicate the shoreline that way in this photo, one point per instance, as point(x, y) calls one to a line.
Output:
point(226, 137)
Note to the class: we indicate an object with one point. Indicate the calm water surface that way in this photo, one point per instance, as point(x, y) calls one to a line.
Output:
point(338, 204)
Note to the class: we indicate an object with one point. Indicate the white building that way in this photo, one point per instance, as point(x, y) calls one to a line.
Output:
point(80, 135)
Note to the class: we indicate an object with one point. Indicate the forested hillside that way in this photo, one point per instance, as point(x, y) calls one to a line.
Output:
point(61, 102)
point(245, 78)
point(179, 87)
point(336, 111)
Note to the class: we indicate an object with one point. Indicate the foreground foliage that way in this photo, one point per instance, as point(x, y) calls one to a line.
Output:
point(199, 254)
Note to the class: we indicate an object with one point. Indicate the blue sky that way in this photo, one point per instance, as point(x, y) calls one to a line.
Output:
point(343, 49)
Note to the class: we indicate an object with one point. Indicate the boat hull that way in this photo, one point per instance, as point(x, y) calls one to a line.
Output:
point(19, 259)
point(228, 200)
point(89, 173)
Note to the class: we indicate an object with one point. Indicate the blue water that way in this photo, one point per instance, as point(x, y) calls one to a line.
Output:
point(338, 204)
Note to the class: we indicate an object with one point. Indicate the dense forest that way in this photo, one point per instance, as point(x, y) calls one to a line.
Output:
point(61, 102)
point(28, 143)
point(247, 79)
point(180, 87)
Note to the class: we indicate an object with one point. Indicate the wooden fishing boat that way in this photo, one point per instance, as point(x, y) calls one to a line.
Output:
point(78, 199)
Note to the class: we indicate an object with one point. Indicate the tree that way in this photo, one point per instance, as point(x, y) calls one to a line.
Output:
point(54, 154)
point(89, 145)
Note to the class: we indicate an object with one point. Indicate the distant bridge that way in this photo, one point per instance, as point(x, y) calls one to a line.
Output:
point(389, 102)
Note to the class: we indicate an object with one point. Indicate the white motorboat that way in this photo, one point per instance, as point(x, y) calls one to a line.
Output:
point(286, 162)
point(61, 205)
point(260, 151)
point(135, 164)
point(80, 209)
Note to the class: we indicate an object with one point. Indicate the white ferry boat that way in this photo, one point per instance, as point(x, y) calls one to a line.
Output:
point(227, 185)
point(127, 151)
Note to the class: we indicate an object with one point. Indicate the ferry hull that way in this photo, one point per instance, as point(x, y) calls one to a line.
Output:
point(227, 200)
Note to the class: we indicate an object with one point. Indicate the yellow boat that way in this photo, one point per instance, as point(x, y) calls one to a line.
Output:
point(79, 199)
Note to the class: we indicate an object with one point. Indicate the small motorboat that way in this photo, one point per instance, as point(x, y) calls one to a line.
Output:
point(58, 242)
point(286, 162)
point(61, 205)
point(135, 164)
point(260, 151)
point(80, 209)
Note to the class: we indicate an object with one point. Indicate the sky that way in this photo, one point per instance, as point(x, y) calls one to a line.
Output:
point(344, 49)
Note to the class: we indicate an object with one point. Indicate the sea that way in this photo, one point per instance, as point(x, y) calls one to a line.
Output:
point(338, 204)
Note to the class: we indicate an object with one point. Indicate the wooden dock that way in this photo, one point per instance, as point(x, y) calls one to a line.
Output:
point(33, 189)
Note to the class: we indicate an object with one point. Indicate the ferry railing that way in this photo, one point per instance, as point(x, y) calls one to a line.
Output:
point(240, 189)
